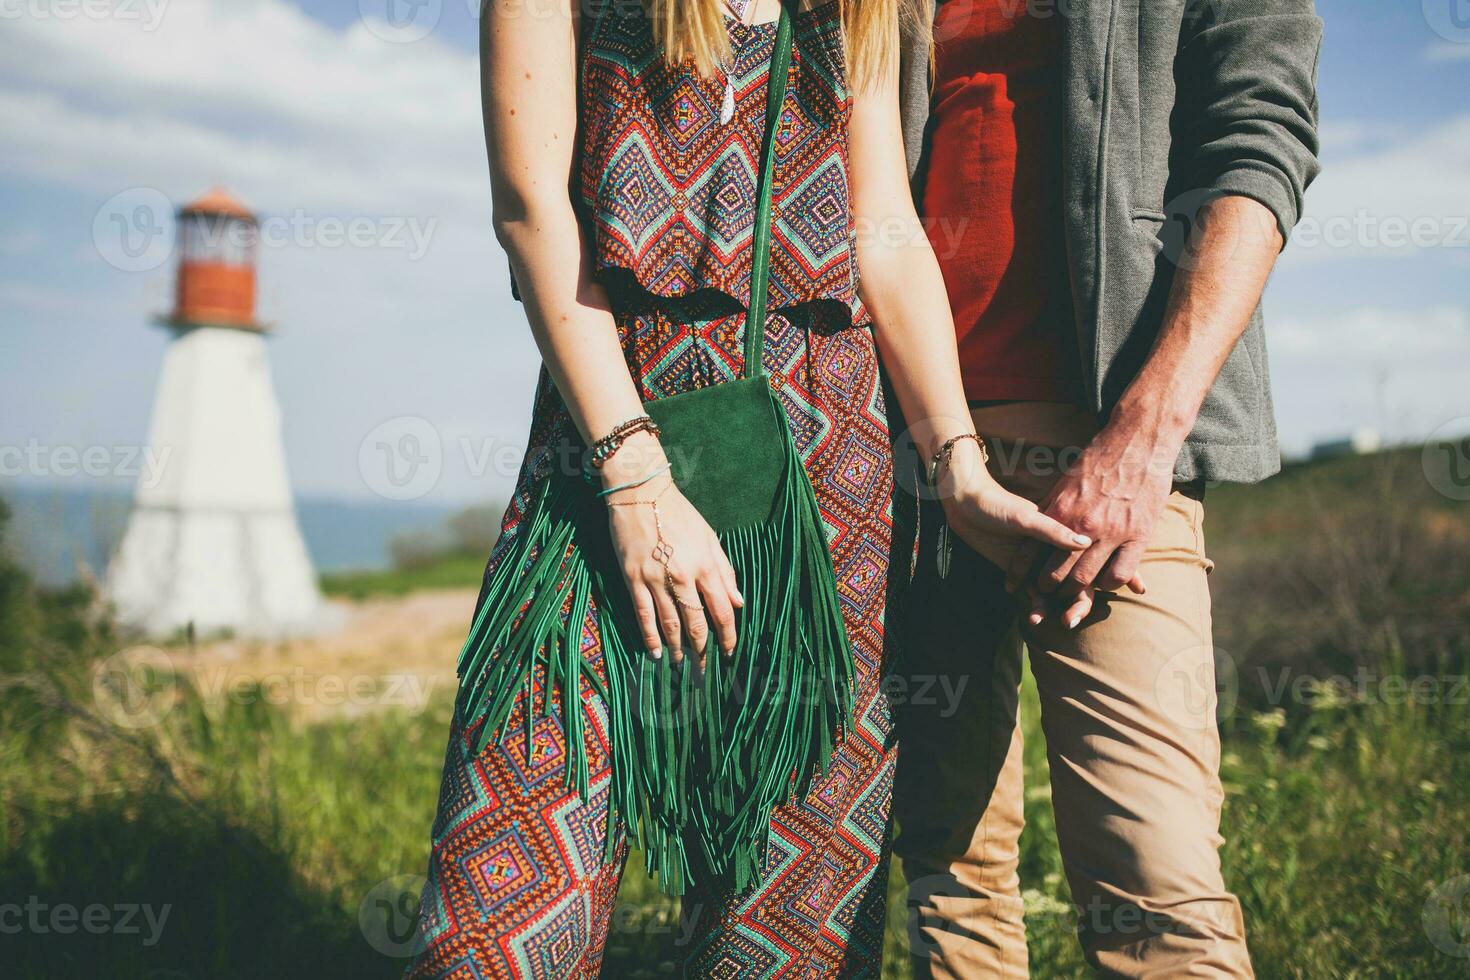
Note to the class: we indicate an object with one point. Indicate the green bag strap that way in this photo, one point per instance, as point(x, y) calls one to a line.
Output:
point(760, 263)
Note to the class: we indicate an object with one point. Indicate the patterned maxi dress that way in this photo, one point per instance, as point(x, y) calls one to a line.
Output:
point(518, 885)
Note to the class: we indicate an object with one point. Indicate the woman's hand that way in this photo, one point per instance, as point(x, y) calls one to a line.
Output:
point(994, 522)
point(679, 578)
point(990, 519)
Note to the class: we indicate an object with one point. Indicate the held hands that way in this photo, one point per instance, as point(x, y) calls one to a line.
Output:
point(1114, 494)
point(992, 520)
point(678, 576)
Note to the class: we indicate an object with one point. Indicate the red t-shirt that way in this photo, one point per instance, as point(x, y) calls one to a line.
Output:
point(992, 199)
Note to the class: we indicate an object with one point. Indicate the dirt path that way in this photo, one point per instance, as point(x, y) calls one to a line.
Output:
point(390, 652)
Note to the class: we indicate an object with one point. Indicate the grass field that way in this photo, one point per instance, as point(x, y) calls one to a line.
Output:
point(146, 833)
point(448, 572)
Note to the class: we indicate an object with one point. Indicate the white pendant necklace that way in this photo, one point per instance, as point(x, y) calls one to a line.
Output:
point(738, 9)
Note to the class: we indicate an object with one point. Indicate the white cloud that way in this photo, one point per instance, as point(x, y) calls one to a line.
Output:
point(253, 92)
point(1447, 51)
point(1399, 372)
point(1347, 136)
point(1396, 200)
point(1386, 336)
point(20, 242)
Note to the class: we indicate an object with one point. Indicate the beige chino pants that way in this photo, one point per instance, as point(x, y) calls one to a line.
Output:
point(1128, 715)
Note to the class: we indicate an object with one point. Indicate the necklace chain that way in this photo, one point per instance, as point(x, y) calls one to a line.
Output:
point(738, 8)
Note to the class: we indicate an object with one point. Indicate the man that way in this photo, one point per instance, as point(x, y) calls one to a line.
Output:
point(1107, 186)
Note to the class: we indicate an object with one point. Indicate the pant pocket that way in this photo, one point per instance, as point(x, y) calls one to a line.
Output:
point(1197, 512)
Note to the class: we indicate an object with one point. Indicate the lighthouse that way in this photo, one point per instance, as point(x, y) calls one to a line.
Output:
point(212, 543)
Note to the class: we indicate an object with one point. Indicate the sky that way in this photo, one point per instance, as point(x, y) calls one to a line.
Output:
point(353, 128)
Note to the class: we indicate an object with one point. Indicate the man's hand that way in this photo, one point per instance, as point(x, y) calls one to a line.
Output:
point(1117, 490)
point(1114, 494)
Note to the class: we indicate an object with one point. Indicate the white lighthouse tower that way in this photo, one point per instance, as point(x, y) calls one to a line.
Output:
point(212, 543)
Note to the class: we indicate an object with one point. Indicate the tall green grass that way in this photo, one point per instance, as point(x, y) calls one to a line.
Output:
point(1339, 823)
point(265, 839)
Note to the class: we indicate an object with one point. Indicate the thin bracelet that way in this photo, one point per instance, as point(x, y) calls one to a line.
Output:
point(651, 502)
point(635, 483)
point(946, 453)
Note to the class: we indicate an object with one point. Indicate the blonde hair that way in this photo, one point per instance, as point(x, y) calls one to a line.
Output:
point(694, 31)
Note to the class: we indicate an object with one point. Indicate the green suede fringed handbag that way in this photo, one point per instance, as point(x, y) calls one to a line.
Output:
point(699, 758)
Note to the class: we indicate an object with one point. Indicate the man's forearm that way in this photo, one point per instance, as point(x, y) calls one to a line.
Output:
point(1218, 285)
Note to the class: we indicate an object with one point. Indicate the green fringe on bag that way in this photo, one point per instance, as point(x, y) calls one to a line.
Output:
point(699, 759)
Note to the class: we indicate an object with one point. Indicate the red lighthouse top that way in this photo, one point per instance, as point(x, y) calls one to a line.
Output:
point(218, 241)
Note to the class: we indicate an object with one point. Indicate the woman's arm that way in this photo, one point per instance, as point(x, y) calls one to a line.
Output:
point(904, 290)
point(528, 68)
point(529, 78)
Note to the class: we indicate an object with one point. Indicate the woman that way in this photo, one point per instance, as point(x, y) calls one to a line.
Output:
point(636, 286)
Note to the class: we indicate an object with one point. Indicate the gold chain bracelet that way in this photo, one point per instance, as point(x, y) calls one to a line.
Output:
point(663, 552)
point(946, 453)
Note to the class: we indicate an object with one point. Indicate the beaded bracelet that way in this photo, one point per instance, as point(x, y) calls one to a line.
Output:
point(604, 449)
